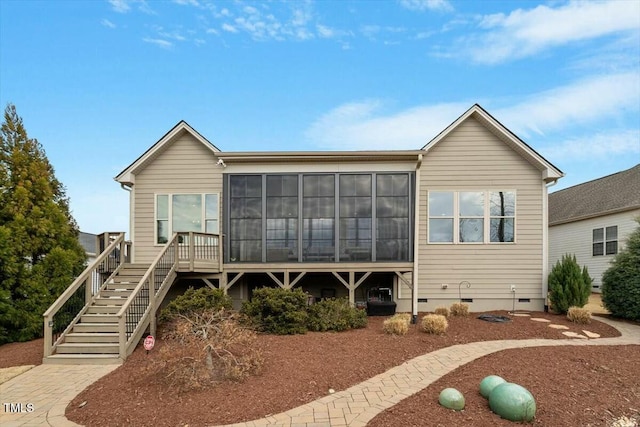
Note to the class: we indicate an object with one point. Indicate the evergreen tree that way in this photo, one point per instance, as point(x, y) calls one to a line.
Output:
point(40, 254)
point(569, 286)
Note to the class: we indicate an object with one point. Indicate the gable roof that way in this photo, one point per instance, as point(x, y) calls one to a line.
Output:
point(603, 196)
point(127, 175)
point(550, 172)
point(88, 242)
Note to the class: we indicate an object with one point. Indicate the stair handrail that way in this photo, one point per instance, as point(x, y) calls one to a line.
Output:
point(145, 283)
point(82, 279)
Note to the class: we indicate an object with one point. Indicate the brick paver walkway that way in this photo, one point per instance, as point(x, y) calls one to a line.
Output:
point(51, 387)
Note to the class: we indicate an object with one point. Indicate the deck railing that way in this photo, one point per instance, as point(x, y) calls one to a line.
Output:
point(62, 314)
point(148, 294)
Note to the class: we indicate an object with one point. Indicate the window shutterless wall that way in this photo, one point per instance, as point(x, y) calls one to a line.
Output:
point(319, 217)
point(185, 212)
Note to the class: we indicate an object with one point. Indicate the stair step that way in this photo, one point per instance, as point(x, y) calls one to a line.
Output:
point(88, 337)
point(87, 348)
point(124, 286)
point(95, 327)
point(103, 309)
point(115, 294)
point(98, 318)
point(118, 302)
point(83, 359)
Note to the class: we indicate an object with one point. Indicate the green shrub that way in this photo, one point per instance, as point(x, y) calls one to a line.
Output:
point(196, 301)
point(277, 311)
point(579, 315)
point(568, 285)
point(621, 282)
point(335, 314)
point(434, 324)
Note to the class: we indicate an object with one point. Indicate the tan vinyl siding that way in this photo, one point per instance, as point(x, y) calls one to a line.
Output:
point(185, 166)
point(472, 158)
point(577, 238)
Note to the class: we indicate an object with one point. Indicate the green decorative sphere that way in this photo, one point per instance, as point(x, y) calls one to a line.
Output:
point(451, 398)
point(488, 383)
point(512, 402)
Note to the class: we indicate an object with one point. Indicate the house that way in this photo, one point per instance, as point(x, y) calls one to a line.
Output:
point(464, 217)
point(89, 243)
point(593, 220)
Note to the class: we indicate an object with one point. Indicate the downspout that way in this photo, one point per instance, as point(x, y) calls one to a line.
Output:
point(129, 188)
point(416, 244)
point(545, 242)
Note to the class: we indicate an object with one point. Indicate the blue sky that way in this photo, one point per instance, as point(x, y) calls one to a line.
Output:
point(98, 82)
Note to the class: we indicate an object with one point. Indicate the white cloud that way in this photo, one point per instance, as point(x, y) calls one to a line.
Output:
point(422, 5)
point(583, 101)
point(592, 103)
point(229, 28)
point(158, 42)
point(120, 6)
point(524, 33)
point(108, 24)
point(187, 2)
point(600, 146)
point(364, 126)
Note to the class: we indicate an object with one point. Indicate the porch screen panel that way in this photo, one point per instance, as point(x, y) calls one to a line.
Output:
point(355, 217)
point(282, 218)
point(392, 217)
point(318, 218)
point(245, 218)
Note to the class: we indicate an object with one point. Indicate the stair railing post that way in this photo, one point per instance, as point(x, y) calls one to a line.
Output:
point(176, 247)
point(152, 303)
point(48, 335)
point(219, 252)
point(192, 251)
point(122, 337)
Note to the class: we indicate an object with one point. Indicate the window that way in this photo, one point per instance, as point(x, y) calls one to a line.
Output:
point(185, 212)
point(481, 216)
point(471, 205)
point(318, 217)
point(245, 218)
point(355, 217)
point(502, 211)
point(605, 241)
point(282, 218)
point(318, 213)
point(441, 216)
point(392, 217)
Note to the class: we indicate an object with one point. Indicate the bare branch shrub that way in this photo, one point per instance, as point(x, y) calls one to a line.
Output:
point(579, 315)
point(442, 311)
point(205, 348)
point(459, 309)
point(434, 324)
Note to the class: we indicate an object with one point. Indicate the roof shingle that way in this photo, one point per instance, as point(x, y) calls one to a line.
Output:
point(613, 193)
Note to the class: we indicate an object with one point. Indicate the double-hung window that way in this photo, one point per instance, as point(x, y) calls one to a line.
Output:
point(471, 216)
point(186, 212)
point(605, 241)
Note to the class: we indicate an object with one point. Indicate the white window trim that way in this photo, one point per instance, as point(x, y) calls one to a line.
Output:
point(486, 217)
point(170, 212)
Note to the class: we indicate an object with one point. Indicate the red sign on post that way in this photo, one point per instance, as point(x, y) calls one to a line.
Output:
point(149, 342)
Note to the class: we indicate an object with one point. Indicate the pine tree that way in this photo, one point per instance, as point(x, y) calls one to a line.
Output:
point(569, 285)
point(39, 249)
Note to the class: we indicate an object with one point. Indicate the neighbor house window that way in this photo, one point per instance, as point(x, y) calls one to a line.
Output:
point(185, 212)
point(472, 216)
point(605, 241)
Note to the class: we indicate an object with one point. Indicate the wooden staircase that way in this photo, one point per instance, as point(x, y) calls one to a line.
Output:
point(94, 337)
point(102, 316)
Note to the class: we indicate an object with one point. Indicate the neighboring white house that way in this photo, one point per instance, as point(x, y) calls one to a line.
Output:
point(90, 244)
point(593, 220)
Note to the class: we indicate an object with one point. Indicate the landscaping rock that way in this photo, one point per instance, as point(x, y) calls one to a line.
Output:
point(591, 334)
point(558, 326)
point(540, 319)
point(574, 335)
point(489, 383)
point(451, 398)
point(512, 402)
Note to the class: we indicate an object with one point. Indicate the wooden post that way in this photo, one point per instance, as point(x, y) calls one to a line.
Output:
point(152, 303)
point(48, 335)
point(192, 251)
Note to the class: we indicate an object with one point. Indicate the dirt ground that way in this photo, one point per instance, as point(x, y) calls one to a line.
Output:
point(590, 384)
